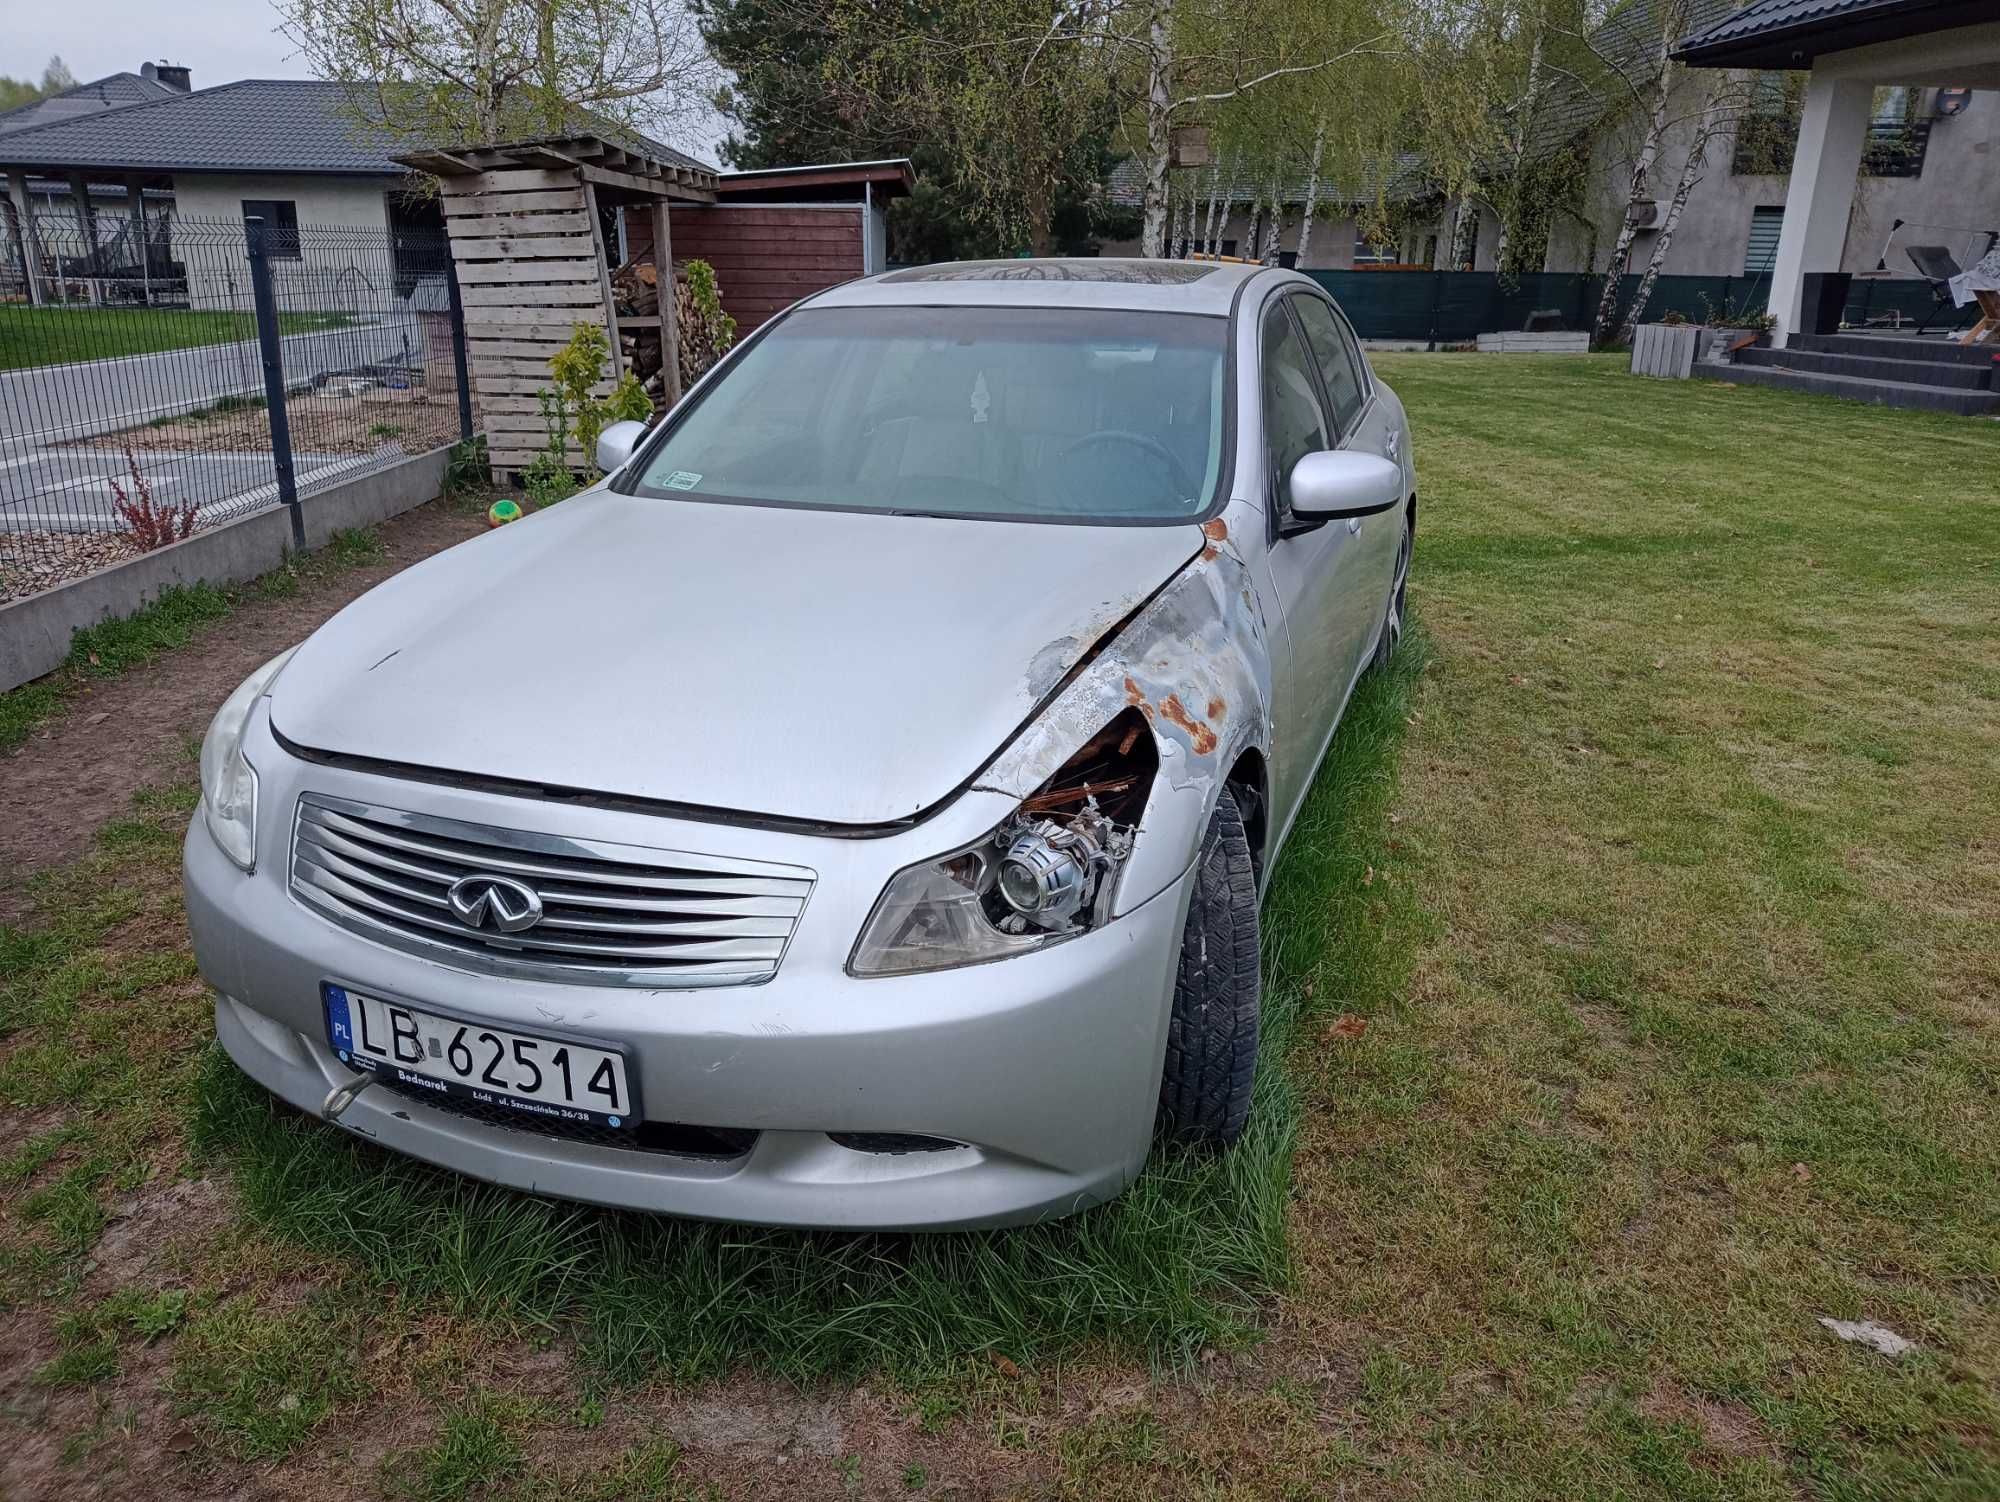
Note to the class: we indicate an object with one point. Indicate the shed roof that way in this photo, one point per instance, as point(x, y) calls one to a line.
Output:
point(1791, 33)
point(889, 177)
point(617, 159)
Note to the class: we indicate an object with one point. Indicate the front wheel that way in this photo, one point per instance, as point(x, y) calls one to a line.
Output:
point(1212, 1036)
point(1392, 620)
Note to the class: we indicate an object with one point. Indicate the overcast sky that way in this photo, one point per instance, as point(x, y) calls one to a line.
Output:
point(221, 40)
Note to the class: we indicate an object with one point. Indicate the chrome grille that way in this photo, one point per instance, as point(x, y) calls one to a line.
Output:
point(612, 915)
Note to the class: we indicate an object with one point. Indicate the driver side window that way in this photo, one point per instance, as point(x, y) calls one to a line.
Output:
point(1294, 423)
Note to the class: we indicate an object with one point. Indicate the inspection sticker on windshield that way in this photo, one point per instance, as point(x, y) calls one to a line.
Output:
point(682, 479)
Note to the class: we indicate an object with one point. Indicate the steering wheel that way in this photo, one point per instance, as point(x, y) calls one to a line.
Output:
point(1176, 471)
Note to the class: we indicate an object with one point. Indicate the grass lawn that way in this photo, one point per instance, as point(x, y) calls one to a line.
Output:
point(1636, 1005)
point(55, 336)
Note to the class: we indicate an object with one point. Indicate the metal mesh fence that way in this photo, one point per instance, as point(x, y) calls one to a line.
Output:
point(147, 395)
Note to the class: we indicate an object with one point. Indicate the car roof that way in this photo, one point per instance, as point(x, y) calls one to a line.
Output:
point(1205, 287)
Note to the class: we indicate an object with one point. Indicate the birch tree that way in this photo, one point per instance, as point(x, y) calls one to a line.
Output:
point(1723, 104)
point(445, 71)
point(1201, 55)
point(1312, 194)
point(1656, 108)
point(1652, 94)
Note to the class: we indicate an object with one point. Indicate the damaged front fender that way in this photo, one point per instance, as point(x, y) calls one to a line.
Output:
point(1195, 661)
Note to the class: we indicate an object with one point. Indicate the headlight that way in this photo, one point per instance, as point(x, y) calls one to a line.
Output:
point(1045, 875)
point(228, 781)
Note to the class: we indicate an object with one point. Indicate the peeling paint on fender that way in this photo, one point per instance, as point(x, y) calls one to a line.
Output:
point(1200, 641)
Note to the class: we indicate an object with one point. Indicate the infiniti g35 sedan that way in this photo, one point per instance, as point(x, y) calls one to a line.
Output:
point(854, 811)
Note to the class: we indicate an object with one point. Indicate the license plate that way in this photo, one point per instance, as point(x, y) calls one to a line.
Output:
point(553, 1079)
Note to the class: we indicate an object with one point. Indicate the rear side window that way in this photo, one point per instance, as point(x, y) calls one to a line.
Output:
point(1339, 361)
point(1294, 424)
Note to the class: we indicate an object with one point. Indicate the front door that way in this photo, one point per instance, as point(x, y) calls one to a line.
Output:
point(1364, 423)
point(1314, 565)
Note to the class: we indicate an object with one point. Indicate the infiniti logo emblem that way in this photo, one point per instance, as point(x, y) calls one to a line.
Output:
point(495, 901)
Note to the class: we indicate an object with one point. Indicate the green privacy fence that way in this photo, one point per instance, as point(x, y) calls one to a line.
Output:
point(1453, 307)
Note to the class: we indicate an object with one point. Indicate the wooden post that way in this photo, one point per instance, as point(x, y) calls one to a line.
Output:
point(663, 272)
point(21, 210)
point(137, 194)
point(604, 278)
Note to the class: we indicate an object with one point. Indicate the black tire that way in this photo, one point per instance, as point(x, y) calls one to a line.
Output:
point(1398, 609)
point(1212, 1036)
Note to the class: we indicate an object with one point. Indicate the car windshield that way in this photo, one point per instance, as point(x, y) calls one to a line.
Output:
point(1039, 414)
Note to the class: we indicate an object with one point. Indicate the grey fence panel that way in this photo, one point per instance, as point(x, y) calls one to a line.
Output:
point(1454, 307)
point(133, 391)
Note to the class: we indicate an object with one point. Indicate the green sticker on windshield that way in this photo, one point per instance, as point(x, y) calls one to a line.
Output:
point(682, 479)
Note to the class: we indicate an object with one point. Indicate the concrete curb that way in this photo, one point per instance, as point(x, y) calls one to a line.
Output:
point(35, 632)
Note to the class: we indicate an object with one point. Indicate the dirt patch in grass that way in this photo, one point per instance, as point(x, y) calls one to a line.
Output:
point(147, 1230)
point(136, 731)
point(1726, 1427)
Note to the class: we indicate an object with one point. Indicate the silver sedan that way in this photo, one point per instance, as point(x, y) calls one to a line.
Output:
point(854, 811)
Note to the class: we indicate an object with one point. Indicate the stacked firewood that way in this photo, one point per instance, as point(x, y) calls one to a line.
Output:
point(703, 332)
point(636, 287)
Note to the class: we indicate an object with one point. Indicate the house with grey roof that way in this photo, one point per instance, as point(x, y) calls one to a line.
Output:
point(114, 91)
point(287, 150)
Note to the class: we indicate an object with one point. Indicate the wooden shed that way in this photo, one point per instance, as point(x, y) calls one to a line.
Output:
point(532, 227)
point(778, 234)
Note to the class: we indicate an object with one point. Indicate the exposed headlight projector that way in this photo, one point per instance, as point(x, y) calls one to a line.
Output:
point(1046, 874)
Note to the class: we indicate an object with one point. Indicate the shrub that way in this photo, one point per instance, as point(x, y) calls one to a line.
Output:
point(150, 524)
point(572, 407)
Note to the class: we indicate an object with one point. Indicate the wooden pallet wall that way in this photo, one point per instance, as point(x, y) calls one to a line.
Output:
point(531, 267)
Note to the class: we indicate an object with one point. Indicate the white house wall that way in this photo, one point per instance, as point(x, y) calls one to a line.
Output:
point(1959, 186)
point(359, 203)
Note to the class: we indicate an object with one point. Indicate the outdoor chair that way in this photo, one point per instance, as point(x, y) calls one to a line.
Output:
point(1936, 265)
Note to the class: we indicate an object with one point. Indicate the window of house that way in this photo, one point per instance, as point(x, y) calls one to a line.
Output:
point(1228, 248)
point(1766, 224)
point(1294, 425)
point(1367, 253)
point(1333, 350)
point(281, 225)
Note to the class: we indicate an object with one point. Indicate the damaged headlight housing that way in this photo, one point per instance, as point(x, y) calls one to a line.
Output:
point(228, 781)
point(1046, 874)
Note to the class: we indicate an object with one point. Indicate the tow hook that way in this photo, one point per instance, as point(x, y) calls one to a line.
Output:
point(340, 1097)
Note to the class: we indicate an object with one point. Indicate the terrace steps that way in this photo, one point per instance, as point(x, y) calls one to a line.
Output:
point(1922, 374)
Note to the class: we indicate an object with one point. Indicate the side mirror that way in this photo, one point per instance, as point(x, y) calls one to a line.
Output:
point(1344, 482)
point(615, 444)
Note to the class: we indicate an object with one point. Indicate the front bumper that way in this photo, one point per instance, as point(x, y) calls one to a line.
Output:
point(1045, 1066)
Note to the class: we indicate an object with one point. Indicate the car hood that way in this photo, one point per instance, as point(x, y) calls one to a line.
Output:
point(832, 667)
